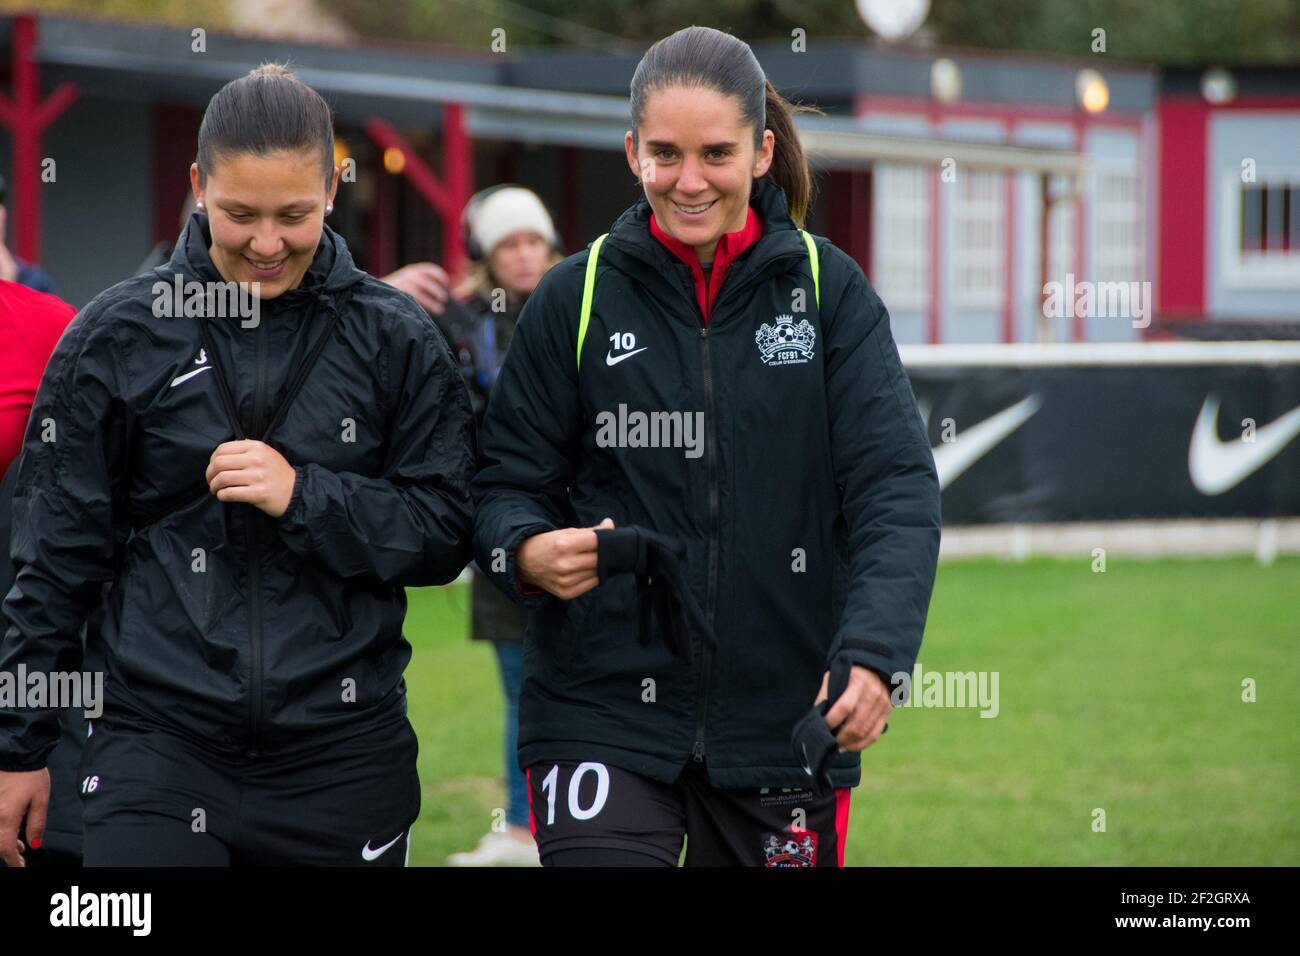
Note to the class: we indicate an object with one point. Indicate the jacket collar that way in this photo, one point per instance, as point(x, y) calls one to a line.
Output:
point(632, 246)
point(730, 245)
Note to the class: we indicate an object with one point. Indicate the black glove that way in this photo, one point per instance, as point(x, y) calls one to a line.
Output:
point(813, 742)
point(664, 594)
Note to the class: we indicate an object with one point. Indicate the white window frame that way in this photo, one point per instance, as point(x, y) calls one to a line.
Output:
point(971, 257)
point(1254, 270)
point(901, 195)
point(1111, 264)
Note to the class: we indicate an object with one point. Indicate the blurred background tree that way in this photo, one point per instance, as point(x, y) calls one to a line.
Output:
point(1158, 31)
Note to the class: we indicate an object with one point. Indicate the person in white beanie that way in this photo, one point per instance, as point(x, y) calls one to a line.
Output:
point(511, 242)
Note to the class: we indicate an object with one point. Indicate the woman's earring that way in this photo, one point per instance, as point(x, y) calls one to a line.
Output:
point(329, 208)
point(199, 206)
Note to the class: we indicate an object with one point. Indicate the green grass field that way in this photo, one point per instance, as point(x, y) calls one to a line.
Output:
point(1119, 691)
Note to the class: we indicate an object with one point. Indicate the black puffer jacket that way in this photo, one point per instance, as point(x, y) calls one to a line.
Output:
point(245, 633)
point(809, 506)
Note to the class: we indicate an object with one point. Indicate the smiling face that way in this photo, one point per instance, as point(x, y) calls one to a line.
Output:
point(697, 163)
point(266, 213)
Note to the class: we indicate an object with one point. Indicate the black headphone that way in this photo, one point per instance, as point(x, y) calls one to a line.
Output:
point(471, 207)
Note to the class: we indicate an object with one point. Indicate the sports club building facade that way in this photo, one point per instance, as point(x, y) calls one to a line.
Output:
point(995, 200)
point(937, 170)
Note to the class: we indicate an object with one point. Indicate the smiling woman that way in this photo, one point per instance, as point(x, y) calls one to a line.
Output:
point(784, 537)
point(258, 494)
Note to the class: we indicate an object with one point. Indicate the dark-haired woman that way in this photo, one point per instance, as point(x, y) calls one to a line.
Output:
point(724, 389)
point(260, 445)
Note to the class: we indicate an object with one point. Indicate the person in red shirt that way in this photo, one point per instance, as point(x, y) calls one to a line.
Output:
point(30, 325)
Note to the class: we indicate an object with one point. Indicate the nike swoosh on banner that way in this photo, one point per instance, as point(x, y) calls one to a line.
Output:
point(610, 360)
point(369, 854)
point(1216, 466)
point(180, 378)
point(971, 444)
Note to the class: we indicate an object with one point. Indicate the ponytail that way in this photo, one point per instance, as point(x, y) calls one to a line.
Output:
point(789, 168)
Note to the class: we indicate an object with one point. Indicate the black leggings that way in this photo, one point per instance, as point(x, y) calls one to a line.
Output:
point(151, 798)
point(601, 856)
point(140, 838)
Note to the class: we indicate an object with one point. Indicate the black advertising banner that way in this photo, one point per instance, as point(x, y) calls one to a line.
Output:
point(1101, 433)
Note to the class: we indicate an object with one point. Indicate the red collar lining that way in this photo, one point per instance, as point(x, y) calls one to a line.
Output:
point(730, 245)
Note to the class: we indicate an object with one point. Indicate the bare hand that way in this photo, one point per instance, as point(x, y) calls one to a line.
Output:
point(425, 282)
point(561, 562)
point(865, 705)
point(22, 793)
point(252, 472)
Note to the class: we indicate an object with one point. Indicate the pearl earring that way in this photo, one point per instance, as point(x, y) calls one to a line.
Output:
point(199, 206)
point(329, 208)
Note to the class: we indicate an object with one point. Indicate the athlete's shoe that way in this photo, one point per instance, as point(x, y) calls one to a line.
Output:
point(497, 849)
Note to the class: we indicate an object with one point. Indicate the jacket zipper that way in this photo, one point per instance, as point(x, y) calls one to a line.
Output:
point(711, 440)
point(697, 750)
point(254, 563)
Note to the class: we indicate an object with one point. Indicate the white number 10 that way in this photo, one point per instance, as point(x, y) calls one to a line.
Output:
point(550, 785)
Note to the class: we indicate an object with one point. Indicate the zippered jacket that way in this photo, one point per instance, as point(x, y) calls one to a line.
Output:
point(247, 634)
point(780, 442)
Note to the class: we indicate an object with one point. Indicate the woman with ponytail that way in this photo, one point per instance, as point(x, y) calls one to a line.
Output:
point(257, 446)
point(704, 472)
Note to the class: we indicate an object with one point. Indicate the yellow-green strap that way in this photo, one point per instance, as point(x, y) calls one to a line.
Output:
point(589, 283)
point(812, 256)
point(588, 286)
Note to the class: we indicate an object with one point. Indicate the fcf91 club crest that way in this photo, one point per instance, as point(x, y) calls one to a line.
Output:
point(785, 343)
point(798, 848)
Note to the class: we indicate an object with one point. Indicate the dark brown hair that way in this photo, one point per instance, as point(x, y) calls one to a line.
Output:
point(697, 57)
point(265, 111)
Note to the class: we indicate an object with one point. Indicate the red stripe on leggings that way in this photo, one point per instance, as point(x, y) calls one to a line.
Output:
point(842, 818)
point(532, 821)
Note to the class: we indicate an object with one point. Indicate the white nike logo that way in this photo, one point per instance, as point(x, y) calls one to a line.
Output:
point(611, 360)
point(1216, 466)
point(952, 458)
point(369, 854)
point(188, 375)
point(807, 769)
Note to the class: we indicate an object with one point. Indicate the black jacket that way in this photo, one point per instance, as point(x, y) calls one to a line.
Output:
point(244, 633)
point(810, 512)
point(63, 817)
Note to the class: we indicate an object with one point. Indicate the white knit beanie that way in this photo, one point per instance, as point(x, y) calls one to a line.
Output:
point(508, 210)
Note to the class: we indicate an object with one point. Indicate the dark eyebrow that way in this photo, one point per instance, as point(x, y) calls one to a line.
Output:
point(295, 206)
point(663, 143)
